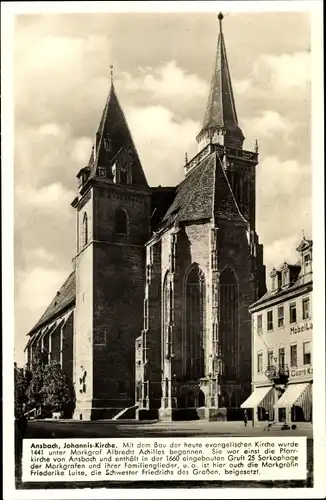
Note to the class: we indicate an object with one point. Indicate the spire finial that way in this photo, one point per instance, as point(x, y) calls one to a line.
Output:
point(303, 235)
point(220, 18)
point(111, 72)
point(256, 147)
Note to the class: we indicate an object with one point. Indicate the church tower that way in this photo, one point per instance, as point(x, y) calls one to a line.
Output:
point(206, 269)
point(112, 216)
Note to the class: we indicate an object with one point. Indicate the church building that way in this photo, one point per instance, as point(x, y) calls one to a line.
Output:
point(154, 318)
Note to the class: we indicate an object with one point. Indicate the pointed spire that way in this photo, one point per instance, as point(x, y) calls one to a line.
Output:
point(221, 121)
point(113, 138)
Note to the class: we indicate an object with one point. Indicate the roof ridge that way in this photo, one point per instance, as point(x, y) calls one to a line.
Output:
point(66, 296)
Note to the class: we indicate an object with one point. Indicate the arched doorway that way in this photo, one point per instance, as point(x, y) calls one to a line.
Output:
point(191, 400)
point(233, 400)
point(201, 399)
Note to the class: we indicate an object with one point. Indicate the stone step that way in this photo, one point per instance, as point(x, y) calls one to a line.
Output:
point(124, 413)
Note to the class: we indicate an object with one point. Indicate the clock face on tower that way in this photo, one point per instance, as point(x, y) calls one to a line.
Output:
point(102, 171)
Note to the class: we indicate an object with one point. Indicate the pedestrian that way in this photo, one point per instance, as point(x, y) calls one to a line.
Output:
point(267, 426)
point(245, 417)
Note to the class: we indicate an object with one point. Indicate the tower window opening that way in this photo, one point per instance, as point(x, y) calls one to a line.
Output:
point(121, 222)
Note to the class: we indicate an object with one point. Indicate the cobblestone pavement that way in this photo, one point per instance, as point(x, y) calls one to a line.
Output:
point(70, 429)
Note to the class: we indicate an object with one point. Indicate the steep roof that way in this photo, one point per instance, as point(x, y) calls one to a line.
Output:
point(221, 111)
point(301, 282)
point(194, 195)
point(64, 300)
point(113, 127)
point(298, 278)
point(161, 199)
point(203, 194)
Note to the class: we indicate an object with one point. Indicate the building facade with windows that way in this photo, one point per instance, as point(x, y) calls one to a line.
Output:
point(155, 312)
point(282, 371)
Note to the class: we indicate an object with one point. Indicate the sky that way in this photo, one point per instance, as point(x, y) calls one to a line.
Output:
point(163, 64)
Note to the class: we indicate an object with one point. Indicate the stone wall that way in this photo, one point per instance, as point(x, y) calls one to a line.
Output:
point(110, 273)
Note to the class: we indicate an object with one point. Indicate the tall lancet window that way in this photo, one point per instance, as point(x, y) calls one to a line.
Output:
point(166, 317)
point(229, 323)
point(194, 324)
point(84, 235)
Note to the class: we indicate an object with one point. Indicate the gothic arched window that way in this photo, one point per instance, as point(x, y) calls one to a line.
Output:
point(85, 230)
point(121, 222)
point(165, 317)
point(229, 300)
point(194, 324)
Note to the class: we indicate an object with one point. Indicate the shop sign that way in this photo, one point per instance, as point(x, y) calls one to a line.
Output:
point(300, 328)
point(301, 372)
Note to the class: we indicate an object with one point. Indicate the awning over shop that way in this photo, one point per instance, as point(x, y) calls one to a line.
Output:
point(295, 394)
point(257, 397)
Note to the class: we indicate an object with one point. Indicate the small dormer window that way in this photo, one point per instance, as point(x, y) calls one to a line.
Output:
point(285, 275)
point(108, 144)
point(273, 277)
point(102, 171)
point(307, 262)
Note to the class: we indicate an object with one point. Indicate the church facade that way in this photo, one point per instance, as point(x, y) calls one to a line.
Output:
point(154, 318)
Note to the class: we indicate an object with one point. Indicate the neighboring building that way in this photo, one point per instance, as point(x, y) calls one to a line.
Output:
point(282, 372)
point(178, 265)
